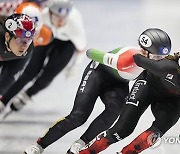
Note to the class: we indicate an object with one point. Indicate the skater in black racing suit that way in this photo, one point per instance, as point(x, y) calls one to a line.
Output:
point(16, 47)
point(162, 91)
point(157, 86)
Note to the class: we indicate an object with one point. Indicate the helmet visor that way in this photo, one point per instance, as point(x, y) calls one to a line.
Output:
point(23, 41)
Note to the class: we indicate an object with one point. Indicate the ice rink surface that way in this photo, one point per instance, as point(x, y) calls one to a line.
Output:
point(109, 24)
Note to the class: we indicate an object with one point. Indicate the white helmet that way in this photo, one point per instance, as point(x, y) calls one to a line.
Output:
point(62, 7)
point(32, 10)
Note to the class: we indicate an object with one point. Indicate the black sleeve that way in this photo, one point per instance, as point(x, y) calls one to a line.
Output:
point(11, 70)
point(157, 67)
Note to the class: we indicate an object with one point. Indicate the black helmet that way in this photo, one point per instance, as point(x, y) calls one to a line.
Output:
point(156, 41)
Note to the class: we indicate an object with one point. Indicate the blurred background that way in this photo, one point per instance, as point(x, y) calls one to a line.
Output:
point(109, 24)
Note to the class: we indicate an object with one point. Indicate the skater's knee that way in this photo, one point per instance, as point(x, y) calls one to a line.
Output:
point(108, 119)
point(78, 119)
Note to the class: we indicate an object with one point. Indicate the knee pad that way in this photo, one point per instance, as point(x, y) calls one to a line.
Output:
point(64, 125)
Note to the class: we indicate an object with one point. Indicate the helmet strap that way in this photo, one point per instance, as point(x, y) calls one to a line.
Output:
point(148, 54)
point(7, 43)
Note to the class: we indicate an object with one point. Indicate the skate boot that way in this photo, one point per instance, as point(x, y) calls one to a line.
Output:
point(20, 101)
point(76, 147)
point(34, 149)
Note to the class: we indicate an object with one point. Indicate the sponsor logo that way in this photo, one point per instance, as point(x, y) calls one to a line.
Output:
point(94, 65)
point(83, 84)
point(169, 76)
point(136, 88)
point(28, 33)
point(133, 103)
point(117, 136)
point(132, 97)
point(165, 50)
point(128, 67)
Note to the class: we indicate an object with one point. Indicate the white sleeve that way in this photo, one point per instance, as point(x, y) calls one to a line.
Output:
point(77, 32)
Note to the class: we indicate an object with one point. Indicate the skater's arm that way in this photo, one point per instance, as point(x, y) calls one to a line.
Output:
point(120, 59)
point(157, 67)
